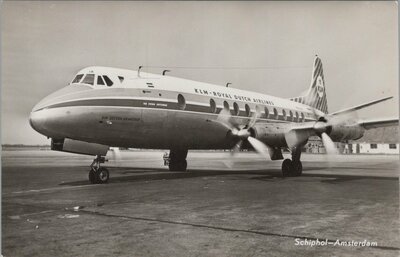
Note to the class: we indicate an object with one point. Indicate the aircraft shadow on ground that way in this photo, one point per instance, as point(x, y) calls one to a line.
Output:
point(148, 174)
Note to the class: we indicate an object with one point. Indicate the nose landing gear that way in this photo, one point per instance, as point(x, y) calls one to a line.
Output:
point(177, 160)
point(97, 174)
point(293, 167)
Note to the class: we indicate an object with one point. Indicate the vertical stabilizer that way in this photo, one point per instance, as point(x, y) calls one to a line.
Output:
point(316, 94)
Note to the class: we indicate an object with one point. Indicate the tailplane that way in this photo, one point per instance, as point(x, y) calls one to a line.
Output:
point(316, 94)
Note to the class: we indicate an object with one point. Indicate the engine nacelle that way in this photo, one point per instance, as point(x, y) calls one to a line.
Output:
point(342, 133)
point(80, 147)
point(273, 135)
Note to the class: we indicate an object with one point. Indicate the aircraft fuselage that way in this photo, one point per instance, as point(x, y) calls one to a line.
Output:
point(159, 112)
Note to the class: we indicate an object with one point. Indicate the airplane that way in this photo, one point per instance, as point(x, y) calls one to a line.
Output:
point(105, 107)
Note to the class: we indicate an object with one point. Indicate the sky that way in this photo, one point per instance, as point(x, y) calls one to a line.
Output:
point(44, 44)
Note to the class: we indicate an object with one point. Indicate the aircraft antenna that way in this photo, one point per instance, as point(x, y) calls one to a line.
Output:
point(227, 84)
point(164, 71)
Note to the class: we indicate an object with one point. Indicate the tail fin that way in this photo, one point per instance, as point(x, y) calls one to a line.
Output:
point(316, 94)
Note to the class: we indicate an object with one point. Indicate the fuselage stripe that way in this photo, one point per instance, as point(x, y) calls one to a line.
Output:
point(151, 104)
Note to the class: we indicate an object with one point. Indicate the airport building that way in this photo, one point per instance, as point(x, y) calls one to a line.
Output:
point(383, 140)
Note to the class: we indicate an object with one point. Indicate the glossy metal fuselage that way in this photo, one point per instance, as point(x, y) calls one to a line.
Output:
point(145, 113)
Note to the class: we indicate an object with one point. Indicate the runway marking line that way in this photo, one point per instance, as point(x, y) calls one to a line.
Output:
point(48, 189)
point(225, 228)
point(29, 214)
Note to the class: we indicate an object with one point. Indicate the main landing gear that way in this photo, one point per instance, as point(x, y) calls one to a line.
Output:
point(177, 159)
point(293, 167)
point(97, 174)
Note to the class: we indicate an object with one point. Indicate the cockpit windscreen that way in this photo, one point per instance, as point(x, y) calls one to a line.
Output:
point(92, 79)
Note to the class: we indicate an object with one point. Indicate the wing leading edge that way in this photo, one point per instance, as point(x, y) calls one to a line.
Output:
point(378, 123)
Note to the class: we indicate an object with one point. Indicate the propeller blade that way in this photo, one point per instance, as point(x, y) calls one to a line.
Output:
point(259, 146)
point(297, 137)
point(237, 147)
point(224, 116)
point(329, 144)
point(228, 163)
point(115, 155)
point(224, 119)
point(253, 119)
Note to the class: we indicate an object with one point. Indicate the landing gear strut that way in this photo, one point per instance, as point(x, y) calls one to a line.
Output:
point(177, 160)
point(97, 174)
point(293, 167)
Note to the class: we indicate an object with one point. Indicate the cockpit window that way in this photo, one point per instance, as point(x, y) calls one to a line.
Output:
point(77, 78)
point(89, 79)
point(100, 81)
point(121, 79)
point(108, 81)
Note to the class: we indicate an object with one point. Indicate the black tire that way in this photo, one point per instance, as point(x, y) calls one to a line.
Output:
point(102, 175)
point(184, 165)
point(92, 176)
point(287, 168)
point(172, 166)
point(297, 168)
point(178, 166)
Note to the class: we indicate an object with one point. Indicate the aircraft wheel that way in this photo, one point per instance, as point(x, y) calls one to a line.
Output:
point(92, 176)
point(297, 168)
point(287, 168)
point(184, 165)
point(102, 175)
point(178, 166)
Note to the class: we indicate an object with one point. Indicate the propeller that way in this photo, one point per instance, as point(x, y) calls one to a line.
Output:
point(322, 127)
point(329, 144)
point(115, 156)
point(345, 118)
point(242, 134)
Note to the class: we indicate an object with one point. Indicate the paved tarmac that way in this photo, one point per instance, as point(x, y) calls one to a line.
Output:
point(222, 206)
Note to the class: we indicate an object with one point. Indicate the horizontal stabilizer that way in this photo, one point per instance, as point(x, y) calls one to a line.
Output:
point(369, 124)
point(358, 107)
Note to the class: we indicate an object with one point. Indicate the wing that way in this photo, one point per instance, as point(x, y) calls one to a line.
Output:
point(361, 106)
point(369, 124)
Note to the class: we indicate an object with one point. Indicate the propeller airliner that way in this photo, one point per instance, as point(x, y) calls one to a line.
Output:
point(106, 107)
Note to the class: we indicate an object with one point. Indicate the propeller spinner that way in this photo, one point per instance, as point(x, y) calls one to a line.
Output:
point(242, 134)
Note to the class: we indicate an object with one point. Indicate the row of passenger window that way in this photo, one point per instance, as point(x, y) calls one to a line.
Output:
point(90, 78)
point(289, 116)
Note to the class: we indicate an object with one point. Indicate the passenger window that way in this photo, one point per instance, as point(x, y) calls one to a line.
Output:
point(181, 102)
point(108, 81)
point(77, 78)
point(213, 106)
point(248, 110)
point(226, 106)
point(89, 79)
point(290, 115)
point(236, 108)
point(100, 81)
point(275, 113)
point(266, 112)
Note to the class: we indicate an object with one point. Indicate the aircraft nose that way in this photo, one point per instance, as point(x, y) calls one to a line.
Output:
point(37, 120)
point(49, 121)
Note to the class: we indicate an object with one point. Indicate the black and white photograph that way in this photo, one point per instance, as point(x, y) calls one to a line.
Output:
point(199, 128)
